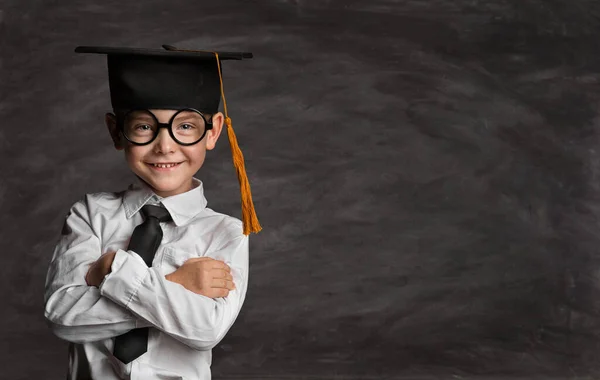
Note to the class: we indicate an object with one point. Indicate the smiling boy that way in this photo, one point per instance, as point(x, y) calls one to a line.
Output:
point(145, 282)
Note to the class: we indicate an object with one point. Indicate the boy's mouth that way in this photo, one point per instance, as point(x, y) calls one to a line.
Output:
point(163, 165)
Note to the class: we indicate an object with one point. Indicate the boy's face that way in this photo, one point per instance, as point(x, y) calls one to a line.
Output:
point(164, 150)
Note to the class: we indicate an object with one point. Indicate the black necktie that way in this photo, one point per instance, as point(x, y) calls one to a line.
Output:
point(144, 241)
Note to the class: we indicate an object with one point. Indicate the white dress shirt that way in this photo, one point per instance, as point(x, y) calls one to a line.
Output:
point(183, 326)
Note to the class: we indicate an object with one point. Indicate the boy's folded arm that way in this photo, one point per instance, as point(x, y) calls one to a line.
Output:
point(75, 311)
point(193, 319)
point(69, 324)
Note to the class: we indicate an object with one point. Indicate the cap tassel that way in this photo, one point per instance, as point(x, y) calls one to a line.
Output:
point(249, 218)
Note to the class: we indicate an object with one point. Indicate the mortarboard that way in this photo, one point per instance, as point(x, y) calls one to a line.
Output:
point(175, 79)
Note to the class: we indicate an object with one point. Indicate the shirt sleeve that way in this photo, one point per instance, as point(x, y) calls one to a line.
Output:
point(195, 320)
point(73, 310)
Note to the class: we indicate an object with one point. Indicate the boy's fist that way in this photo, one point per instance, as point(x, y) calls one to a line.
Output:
point(204, 275)
point(99, 269)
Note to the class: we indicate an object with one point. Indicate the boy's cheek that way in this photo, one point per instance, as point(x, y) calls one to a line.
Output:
point(131, 156)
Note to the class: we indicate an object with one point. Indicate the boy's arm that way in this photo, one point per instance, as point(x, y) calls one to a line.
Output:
point(195, 320)
point(75, 311)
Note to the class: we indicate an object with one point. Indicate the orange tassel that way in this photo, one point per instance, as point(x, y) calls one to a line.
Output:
point(249, 218)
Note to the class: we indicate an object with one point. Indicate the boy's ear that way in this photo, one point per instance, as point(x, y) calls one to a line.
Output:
point(111, 123)
point(212, 135)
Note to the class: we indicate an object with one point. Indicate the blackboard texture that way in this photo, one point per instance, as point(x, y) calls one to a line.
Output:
point(426, 174)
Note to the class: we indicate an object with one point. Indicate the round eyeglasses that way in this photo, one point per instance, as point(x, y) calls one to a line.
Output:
point(187, 127)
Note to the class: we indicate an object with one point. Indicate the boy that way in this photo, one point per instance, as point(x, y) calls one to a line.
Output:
point(145, 282)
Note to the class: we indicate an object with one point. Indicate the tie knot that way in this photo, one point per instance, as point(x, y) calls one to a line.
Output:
point(160, 213)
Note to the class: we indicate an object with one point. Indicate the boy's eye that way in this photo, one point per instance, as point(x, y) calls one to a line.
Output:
point(144, 127)
point(187, 126)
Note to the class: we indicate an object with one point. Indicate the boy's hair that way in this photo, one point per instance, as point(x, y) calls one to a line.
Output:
point(120, 114)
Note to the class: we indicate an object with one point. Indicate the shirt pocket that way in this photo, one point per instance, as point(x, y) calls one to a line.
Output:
point(163, 374)
point(173, 258)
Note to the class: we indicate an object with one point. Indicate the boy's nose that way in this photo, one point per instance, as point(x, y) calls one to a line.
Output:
point(164, 143)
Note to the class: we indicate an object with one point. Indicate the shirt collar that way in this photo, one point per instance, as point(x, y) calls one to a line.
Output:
point(182, 207)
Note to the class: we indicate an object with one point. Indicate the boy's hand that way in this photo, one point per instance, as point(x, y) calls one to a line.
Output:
point(99, 269)
point(204, 275)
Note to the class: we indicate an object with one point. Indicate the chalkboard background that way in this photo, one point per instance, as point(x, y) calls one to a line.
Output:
point(426, 174)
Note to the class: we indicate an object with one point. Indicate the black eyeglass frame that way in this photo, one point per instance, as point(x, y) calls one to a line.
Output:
point(169, 126)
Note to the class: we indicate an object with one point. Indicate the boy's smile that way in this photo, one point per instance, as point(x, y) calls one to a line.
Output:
point(163, 165)
point(166, 166)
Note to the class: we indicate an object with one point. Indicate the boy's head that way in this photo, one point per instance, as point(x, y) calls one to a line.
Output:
point(147, 91)
point(166, 116)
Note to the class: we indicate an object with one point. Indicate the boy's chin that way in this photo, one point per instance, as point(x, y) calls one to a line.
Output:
point(166, 187)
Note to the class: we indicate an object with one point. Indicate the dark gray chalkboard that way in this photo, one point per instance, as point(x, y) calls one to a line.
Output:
point(426, 173)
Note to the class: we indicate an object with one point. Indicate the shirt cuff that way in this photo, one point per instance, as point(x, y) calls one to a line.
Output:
point(128, 270)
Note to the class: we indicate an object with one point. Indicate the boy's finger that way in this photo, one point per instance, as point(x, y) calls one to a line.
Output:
point(222, 274)
point(221, 265)
point(194, 259)
point(219, 273)
point(223, 284)
point(218, 293)
point(218, 283)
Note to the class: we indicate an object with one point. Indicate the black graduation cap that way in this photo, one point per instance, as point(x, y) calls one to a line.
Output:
point(164, 79)
point(173, 78)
